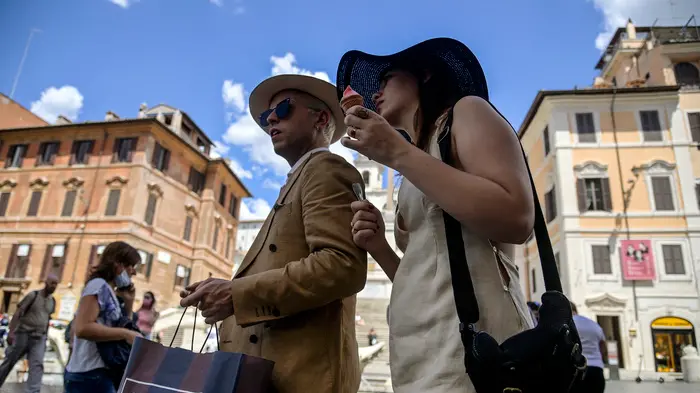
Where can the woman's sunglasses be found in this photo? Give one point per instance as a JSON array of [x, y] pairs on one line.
[[282, 111]]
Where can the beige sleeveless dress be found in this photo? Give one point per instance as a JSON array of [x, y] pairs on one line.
[[426, 352]]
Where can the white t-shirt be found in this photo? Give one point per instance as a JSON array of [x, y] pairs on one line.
[[591, 335]]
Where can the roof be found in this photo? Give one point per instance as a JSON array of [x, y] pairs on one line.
[[4, 100], [185, 115], [539, 98], [663, 34], [151, 121]]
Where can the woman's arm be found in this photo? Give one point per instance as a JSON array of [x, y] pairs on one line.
[[87, 328], [492, 196], [388, 260]]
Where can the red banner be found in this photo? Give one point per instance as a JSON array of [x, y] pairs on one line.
[[637, 260]]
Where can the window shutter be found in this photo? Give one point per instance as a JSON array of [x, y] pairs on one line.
[[4, 202], [55, 148], [156, 155], [694, 122], [113, 202], [73, 152], [91, 147], [663, 197], [190, 179], [47, 263], [188, 228], [149, 265], [34, 204], [644, 117], [166, 160], [68, 203], [12, 260], [581, 193], [215, 240], [132, 148], [115, 149], [150, 209], [607, 198], [63, 262], [23, 272]]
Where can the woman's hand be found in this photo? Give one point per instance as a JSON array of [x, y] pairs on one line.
[[373, 136], [368, 227], [130, 335]]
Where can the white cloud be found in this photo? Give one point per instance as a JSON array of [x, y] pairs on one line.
[[238, 10], [238, 169], [233, 95], [259, 170], [121, 3], [286, 65], [272, 184], [254, 209], [219, 149], [66, 101], [642, 13], [218, 3]]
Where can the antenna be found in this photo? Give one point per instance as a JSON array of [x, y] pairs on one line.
[[21, 63]]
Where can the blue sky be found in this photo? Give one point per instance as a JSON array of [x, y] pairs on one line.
[[204, 56]]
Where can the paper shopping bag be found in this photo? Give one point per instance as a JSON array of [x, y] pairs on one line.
[[154, 368]]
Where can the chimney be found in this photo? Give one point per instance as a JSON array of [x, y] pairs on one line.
[[62, 120], [142, 110], [176, 122], [631, 30], [111, 116]]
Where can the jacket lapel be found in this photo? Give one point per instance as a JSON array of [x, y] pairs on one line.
[[265, 229]]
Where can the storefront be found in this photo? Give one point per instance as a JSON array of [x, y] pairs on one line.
[[670, 335]]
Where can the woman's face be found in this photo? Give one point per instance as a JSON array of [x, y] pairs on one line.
[[130, 269], [398, 94]]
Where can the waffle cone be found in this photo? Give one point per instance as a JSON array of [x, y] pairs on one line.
[[350, 101]]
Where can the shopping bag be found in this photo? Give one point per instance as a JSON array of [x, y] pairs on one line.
[[155, 368]]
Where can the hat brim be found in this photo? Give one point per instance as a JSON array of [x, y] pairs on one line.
[[363, 71], [261, 96]]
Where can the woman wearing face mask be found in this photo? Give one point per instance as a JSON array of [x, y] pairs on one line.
[[488, 191], [98, 312], [147, 314]]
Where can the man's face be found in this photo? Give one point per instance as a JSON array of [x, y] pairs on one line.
[[294, 132], [51, 284]]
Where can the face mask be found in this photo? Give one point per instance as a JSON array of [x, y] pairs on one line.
[[123, 280], [147, 302]]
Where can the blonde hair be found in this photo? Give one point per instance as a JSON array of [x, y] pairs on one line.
[[317, 105]]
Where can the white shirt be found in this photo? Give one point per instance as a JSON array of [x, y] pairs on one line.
[[591, 335]]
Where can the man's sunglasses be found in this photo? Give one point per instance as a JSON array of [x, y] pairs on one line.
[[282, 110]]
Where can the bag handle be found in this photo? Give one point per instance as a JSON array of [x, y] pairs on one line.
[[462, 285], [213, 326]]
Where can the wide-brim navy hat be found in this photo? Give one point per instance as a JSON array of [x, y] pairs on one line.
[[363, 71]]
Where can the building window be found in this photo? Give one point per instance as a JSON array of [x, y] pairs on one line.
[[54, 261], [601, 259], [550, 202], [19, 260], [694, 123], [68, 203], [365, 177], [182, 276], [47, 153], [124, 149], [686, 74], [34, 203], [196, 181], [233, 206], [80, 152], [4, 203], [545, 137], [594, 194], [533, 279], [651, 126], [228, 245], [161, 158], [150, 209], [188, 229], [673, 259], [113, 202], [144, 268], [95, 254], [215, 238], [585, 128], [663, 193], [15, 156], [222, 195], [557, 263]]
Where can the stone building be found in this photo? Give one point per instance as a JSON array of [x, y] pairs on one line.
[[67, 190]]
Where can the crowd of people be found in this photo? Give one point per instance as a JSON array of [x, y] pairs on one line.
[[292, 300]]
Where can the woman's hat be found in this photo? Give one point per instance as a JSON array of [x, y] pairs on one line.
[[260, 97], [364, 71]]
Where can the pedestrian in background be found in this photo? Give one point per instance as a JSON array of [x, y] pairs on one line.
[[595, 351]]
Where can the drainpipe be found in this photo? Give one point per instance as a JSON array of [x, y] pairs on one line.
[[86, 212]]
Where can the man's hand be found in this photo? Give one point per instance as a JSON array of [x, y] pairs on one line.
[[212, 296]]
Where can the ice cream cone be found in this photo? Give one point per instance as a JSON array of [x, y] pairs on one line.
[[350, 99]]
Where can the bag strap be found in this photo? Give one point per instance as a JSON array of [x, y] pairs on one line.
[[462, 285], [213, 326], [31, 302]]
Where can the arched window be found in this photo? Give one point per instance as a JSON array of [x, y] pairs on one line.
[[365, 177], [686, 74]]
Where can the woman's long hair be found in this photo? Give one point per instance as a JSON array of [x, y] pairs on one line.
[[115, 253]]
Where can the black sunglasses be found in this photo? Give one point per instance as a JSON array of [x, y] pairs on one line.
[[282, 110]]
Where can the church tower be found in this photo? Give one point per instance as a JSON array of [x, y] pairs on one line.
[[373, 176]]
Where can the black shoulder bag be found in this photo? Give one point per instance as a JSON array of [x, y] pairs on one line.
[[115, 354], [546, 359]]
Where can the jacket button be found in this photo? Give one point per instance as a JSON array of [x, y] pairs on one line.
[[273, 248], [253, 339]]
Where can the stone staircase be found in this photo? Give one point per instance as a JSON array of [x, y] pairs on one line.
[[376, 375]]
